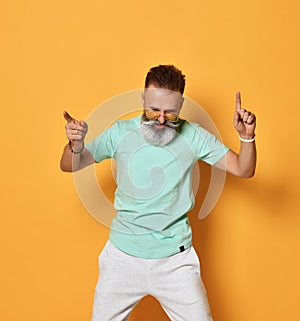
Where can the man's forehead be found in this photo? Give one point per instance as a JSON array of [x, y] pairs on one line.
[[161, 92], [160, 98]]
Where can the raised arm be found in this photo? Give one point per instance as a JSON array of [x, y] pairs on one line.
[[244, 163], [75, 156]]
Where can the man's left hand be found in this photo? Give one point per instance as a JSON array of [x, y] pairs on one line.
[[244, 121]]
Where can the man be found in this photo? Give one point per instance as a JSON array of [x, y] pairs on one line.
[[150, 246]]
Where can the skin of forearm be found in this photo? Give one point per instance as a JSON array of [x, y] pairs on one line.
[[247, 160], [70, 162]]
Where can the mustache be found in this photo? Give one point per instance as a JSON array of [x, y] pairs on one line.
[[167, 123]]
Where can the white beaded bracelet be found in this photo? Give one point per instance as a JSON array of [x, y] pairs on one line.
[[247, 140]]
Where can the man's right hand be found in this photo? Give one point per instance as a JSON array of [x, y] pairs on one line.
[[75, 130], [80, 157]]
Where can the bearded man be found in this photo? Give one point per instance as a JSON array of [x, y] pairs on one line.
[[150, 251]]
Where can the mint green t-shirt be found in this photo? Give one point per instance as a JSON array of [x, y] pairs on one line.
[[154, 185]]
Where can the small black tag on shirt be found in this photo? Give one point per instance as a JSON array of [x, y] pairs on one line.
[[181, 248]]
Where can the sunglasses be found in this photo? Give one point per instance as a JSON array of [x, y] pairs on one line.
[[154, 114]]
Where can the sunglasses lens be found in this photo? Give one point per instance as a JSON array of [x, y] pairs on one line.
[[152, 114], [155, 114], [171, 117]]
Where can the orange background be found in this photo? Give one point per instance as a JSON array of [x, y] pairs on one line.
[[58, 55]]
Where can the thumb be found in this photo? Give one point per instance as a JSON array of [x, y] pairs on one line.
[[83, 124]]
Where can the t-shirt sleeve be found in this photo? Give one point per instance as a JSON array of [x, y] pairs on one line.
[[209, 148], [103, 146]]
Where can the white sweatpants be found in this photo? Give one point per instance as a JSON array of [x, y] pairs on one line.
[[175, 281]]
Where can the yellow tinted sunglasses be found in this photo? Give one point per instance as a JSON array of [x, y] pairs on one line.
[[154, 114]]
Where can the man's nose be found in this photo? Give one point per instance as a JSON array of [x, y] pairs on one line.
[[162, 117]]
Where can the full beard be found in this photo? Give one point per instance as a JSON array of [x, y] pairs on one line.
[[159, 136]]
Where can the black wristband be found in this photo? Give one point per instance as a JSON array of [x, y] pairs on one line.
[[73, 151]]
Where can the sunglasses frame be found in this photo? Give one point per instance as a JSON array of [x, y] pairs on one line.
[[157, 114]]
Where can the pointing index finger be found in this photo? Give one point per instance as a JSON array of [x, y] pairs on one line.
[[68, 117], [238, 100]]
